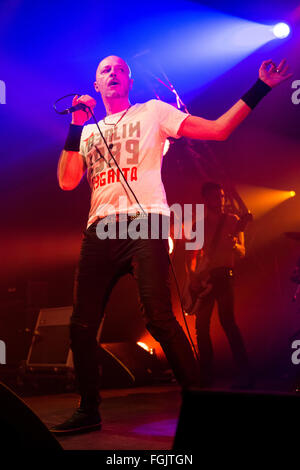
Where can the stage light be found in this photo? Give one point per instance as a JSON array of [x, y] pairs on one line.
[[260, 200], [171, 245], [281, 30], [144, 346]]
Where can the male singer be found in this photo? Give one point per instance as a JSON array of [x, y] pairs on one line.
[[137, 134]]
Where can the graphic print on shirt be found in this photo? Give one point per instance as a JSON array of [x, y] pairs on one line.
[[137, 145], [125, 139]]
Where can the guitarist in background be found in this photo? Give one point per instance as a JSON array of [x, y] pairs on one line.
[[210, 274]]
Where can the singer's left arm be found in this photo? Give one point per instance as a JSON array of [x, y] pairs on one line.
[[195, 127]]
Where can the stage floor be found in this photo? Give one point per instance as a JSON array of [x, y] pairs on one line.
[[141, 418]]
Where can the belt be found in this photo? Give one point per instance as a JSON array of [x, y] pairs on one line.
[[122, 217]]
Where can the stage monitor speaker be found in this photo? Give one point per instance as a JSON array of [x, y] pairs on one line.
[[122, 364], [227, 423], [126, 364], [20, 428], [50, 346]]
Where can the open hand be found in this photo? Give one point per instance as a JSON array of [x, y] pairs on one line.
[[273, 74]]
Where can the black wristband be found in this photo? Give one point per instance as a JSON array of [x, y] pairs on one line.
[[73, 140], [256, 93]]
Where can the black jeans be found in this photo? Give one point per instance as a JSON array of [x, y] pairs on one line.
[[222, 293], [101, 264]]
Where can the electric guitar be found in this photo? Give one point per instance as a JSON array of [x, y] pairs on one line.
[[198, 281]]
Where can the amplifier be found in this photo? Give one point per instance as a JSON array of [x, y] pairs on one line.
[[122, 364], [50, 347]]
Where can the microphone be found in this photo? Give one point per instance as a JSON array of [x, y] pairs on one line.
[[77, 107]]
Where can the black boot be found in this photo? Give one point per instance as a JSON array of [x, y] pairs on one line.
[[85, 419]]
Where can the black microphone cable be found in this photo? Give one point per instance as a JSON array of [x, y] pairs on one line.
[[71, 109], [137, 201]]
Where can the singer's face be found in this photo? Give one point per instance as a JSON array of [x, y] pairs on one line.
[[113, 78]]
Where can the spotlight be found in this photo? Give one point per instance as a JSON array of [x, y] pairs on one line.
[[171, 245], [281, 30], [144, 346], [261, 200]]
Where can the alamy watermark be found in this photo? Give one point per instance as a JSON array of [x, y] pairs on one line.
[[188, 223], [296, 94], [296, 354], [2, 92], [2, 352]]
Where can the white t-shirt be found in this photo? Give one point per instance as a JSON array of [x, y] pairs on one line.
[[138, 142]]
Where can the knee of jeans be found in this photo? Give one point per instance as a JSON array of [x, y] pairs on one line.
[[163, 330], [81, 333], [156, 307]]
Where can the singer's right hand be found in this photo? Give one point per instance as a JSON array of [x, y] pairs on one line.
[[80, 117]]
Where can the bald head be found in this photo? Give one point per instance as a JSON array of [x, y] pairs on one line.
[[113, 59], [113, 78]]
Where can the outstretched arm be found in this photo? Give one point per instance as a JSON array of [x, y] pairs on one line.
[[195, 127]]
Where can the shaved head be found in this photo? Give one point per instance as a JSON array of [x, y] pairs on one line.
[[114, 82], [112, 59]]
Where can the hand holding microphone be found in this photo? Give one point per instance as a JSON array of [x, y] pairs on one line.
[[81, 114]]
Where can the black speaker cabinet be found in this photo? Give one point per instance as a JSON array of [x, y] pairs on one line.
[[20, 428], [227, 423]]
